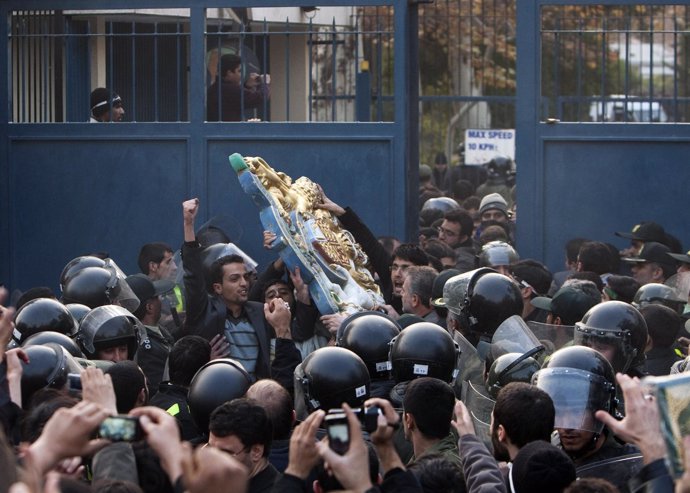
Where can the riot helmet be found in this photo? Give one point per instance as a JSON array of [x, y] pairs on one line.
[[580, 381], [654, 293], [330, 376], [108, 326], [219, 250], [40, 315], [497, 253], [368, 334], [499, 167], [45, 337], [617, 326], [443, 204], [482, 299], [513, 336], [78, 311], [218, 381], [77, 264], [510, 367], [424, 349], [48, 367], [98, 286]]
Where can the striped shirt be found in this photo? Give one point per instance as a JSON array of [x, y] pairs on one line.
[[244, 345]]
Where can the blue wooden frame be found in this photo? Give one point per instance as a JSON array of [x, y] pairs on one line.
[[398, 171], [624, 187]]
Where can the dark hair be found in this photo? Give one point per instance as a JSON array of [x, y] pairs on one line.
[[435, 263], [152, 252], [152, 476], [228, 62], [533, 273], [663, 324], [625, 287], [588, 276], [388, 242], [437, 474], [186, 356], [44, 404], [428, 216], [462, 189], [245, 419], [216, 269], [440, 158], [471, 203], [411, 253], [8, 463], [439, 249], [572, 248], [272, 282], [116, 486], [71, 485], [614, 258], [591, 485], [422, 282], [493, 231], [462, 218], [526, 412], [595, 257], [277, 403], [33, 294], [128, 380], [329, 482], [431, 402]]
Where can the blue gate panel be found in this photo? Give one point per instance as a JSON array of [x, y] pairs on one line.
[[592, 189], [350, 173], [70, 198]]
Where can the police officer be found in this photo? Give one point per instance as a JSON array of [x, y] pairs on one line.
[[498, 171], [619, 332], [110, 333], [580, 381], [368, 335]]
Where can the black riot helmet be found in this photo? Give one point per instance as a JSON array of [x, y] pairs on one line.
[[218, 381], [77, 264], [78, 310], [580, 381], [496, 253], [368, 335], [98, 286], [424, 349], [443, 204], [510, 367], [45, 337], [499, 167], [482, 299], [40, 315], [617, 324], [108, 326], [330, 376], [48, 367], [660, 294]]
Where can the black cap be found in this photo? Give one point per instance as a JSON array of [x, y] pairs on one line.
[[145, 288], [439, 282], [681, 257], [652, 252], [645, 231]]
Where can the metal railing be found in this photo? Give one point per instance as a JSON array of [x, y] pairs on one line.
[[315, 67], [621, 64]]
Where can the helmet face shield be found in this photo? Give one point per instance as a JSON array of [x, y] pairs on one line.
[[553, 337], [514, 336], [118, 291], [576, 395], [613, 344]]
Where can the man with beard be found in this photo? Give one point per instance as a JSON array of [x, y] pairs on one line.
[[522, 414]]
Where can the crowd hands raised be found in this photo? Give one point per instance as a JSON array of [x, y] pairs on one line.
[[476, 378]]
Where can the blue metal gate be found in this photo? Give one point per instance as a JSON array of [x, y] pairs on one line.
[[69, 188], [602, 142]]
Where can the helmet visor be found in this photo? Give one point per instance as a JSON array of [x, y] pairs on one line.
[[611, 343], [513, 336], [576, 395], [96, 318], [553, 337], [119, 292]]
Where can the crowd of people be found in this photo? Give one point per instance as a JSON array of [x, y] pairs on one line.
[[481, 372]]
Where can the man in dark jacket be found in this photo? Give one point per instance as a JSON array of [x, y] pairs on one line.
[[248, 326]]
